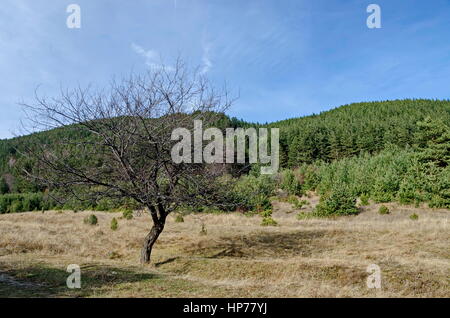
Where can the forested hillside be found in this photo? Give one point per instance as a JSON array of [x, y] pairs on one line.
[[11, 178], [391, 150], [349, 130]]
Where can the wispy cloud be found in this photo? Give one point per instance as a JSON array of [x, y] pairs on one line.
[[206, 59], [152, 58]]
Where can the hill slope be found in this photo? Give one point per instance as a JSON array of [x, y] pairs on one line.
[[342, 132]]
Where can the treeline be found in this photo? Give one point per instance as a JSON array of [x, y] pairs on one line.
[[44, 201], [23, 202]]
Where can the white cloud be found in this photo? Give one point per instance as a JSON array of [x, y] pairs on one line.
[[152, 58]]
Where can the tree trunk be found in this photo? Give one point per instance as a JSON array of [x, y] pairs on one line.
[[150, 239]]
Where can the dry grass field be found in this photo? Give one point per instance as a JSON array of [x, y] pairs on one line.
[[236, 257]]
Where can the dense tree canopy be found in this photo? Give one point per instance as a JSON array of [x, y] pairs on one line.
[[349, 130]]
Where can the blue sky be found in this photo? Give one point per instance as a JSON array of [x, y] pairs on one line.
[[286, 58]]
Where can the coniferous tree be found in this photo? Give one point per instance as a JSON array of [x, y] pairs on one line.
[[434, 142]]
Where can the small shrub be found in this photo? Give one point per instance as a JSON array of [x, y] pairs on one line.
[[127, 214], [203, 231], [264, 205], [383, 210], [267, 218], [114, 224], [290, 183], [364, 199], [339, 201], [269, 221], [414, 217], [91, 220], [252, 193], [266, 213], [179, 218], [300, 204]]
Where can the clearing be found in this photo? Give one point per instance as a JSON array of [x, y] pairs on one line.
[[237, 257]]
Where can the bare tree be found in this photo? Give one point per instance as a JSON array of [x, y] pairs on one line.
[[124, 134]]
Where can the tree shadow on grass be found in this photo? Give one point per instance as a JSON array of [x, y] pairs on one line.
[[44, 281], [167, 261], [263, 244]]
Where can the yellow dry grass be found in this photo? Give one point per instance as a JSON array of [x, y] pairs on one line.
[[237, 257]]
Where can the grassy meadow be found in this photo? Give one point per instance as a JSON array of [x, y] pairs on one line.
[[229, 254]]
